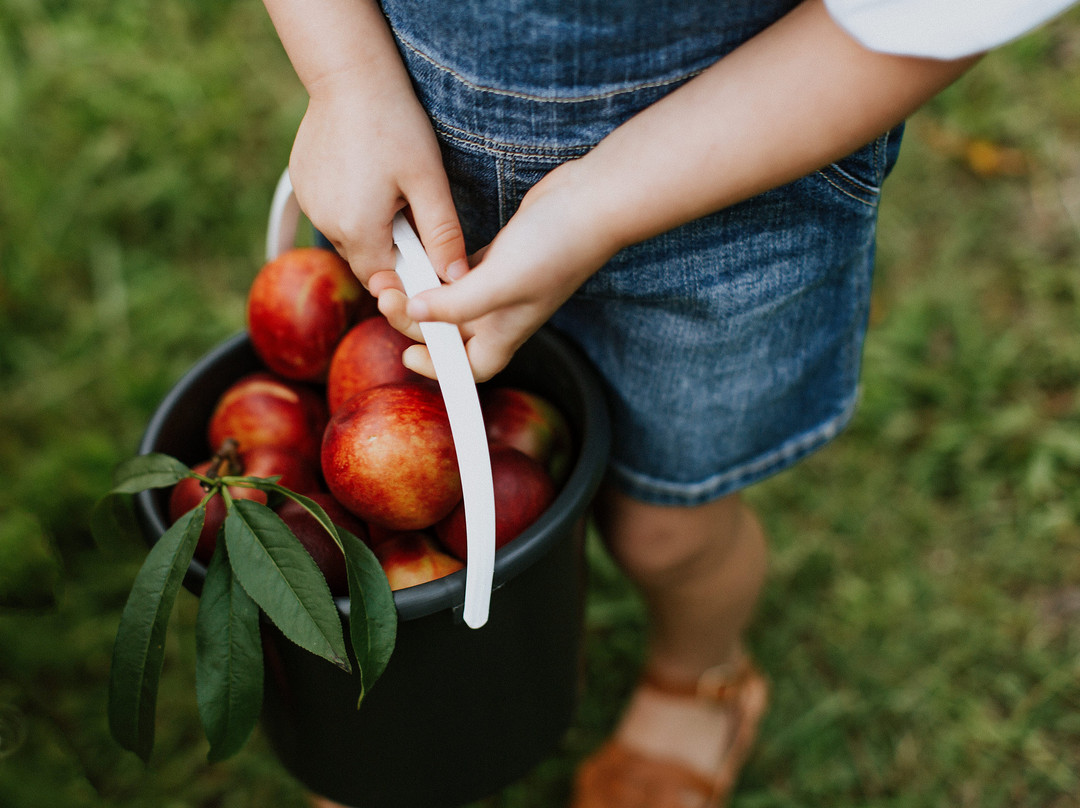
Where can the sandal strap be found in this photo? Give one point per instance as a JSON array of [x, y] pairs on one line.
[[617, 775], [620, 777], [718, 684]]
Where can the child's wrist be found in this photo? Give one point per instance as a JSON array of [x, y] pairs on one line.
[[591, 215], [335, 82]]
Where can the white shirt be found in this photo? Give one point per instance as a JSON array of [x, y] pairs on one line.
[[940, 29]]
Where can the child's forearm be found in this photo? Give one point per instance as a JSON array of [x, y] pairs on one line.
[[797, 97], [330, 39], [365, 148]]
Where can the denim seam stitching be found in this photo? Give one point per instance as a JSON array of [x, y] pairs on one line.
[[487, 145], [500, 190], [873, 203], [558, 99]]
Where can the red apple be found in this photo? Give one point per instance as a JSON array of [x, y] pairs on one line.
[[377, 534], [367, 356], [296, 473], [263, 409], [299, 306], [388, 456], [317, 541], [531, 424], [523, 490], [412, 558]]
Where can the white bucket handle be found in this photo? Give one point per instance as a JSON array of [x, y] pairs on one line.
[[458, 390]]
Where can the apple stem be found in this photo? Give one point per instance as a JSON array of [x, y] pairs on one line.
[[226, 462]]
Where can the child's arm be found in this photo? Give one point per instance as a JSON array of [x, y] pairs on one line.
[[365, 148], [796, 97]]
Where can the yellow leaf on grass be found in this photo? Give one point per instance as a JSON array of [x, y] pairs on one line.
[[988, 159]]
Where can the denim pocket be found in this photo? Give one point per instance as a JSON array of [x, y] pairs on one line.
[[859, 176]]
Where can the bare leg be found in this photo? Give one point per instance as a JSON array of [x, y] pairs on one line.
[[700, 570]]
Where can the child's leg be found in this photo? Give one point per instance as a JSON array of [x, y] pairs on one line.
[[700, 570]]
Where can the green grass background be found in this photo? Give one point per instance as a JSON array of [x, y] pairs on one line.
[[920, 618]]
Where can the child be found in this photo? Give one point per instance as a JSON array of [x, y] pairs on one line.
[[689, 191]]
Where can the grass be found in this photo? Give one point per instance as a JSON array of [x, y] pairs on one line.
[[919, 622]]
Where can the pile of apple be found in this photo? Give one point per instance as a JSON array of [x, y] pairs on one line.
[[341, 420]]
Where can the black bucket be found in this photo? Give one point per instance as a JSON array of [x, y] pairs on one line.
[[459, 713]]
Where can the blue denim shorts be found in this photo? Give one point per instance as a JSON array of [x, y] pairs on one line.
[[730, 346]]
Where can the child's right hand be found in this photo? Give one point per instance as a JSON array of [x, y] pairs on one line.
[[364, 150]]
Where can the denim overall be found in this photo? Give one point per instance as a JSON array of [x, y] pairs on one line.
[[731, 345]]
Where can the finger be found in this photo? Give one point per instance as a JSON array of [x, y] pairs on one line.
[[483, 362], [369, 252], [367, 246], [392, 307], [487, 358], [383, 280], [417, 359], [473, 295], [437, 224]]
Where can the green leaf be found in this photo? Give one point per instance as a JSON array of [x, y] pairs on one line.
[[228, 660], [152, 470], [271, 485], [140, 638], [372, 613], [280, 576]]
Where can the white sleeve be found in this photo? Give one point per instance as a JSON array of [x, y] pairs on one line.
[[940, 29]]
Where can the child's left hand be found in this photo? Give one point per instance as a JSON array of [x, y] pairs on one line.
[[551, 246]]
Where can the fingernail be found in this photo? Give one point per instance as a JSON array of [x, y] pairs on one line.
[[458, 269]]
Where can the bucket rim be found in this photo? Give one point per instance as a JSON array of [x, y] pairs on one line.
[[447, 593]]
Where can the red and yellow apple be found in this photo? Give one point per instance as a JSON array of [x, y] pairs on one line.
[[367, 356], [523, 490], [531, 424], [263, 409], [299, 306], [388, 456], [412, 558]]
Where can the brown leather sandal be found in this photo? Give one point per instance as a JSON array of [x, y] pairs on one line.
[[618, 776]]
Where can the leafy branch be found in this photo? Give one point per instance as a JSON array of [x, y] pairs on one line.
[[258, 567]]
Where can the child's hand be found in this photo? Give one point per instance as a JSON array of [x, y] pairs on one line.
[[722, 137], [545, 252], [364, 151]]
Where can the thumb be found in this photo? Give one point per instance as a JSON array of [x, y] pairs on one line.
[[480, 292]]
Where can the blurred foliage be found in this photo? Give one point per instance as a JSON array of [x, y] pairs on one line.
[[920, 621], [30, 568]]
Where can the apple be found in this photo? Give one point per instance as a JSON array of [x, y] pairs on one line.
[[367, 356], [297, 474], [388, 456], [264, 409], [412, 558], [377, 534], [320, 546], [523, 491], [299, 306], [531, 424]]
